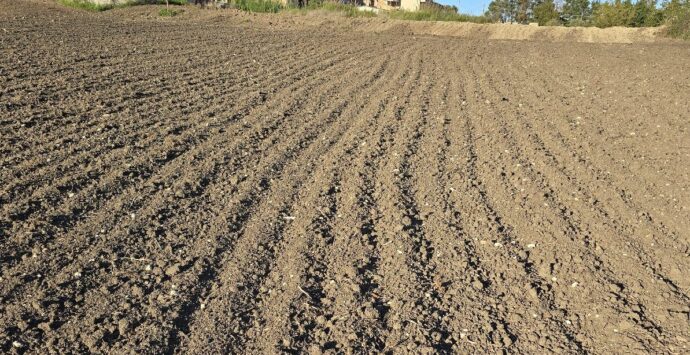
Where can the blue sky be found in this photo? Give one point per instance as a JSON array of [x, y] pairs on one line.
[[474, 7]]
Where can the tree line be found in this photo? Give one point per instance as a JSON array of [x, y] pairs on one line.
[[642, 13]]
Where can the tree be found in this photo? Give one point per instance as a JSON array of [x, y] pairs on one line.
[[500, 11], [617, 13], [677, 18], [523, 11], [576, 9], [545, 12], [646, 14]]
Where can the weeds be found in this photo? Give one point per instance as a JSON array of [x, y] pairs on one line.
[[678, 19], [436, 15], [346, 9], [165, 12], [269, 6], [87, 5], [90, 6]]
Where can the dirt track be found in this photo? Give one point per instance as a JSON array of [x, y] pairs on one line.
[[189, 186]]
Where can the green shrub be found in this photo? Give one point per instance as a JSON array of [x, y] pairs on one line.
[[545, 13], [553, 22], [578, 22], [258, 5], [347, 10], [165, 12], [677, 15]]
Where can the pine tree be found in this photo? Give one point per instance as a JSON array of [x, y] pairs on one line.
[[545, 13], [576, 9]]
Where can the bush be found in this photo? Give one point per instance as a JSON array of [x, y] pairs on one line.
[[165, 12], [545, 13], [258, 5], [578, 22], [677, 15], [553, 22], [348, 10], [624, 13]]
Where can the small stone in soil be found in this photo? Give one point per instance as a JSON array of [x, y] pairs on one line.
[[406, 221], [173, 270]]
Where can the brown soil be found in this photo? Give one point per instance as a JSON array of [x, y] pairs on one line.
[[224, 182]]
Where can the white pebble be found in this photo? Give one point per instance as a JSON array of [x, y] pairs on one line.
[[531, 245], [574, 284]]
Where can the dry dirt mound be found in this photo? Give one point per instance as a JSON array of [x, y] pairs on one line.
[[188, 186], [522, 32]]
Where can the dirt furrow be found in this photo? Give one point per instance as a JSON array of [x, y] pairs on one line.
[[663, 240], [158, 211], [612, 212], [403, 288], [141, 167], [208, 121], [501, 264], [644, 308], [268, 248], [459, 278], [305, 182], [193, 79], [308, 325], [585, 258], [351, 278]]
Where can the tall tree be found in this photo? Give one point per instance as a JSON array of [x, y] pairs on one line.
[[501, 10], [576, 9], [523, 11], [545, 12]]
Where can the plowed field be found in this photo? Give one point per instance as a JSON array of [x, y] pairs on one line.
[[227, 186]]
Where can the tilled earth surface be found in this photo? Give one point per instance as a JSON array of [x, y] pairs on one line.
[[188, 186]]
